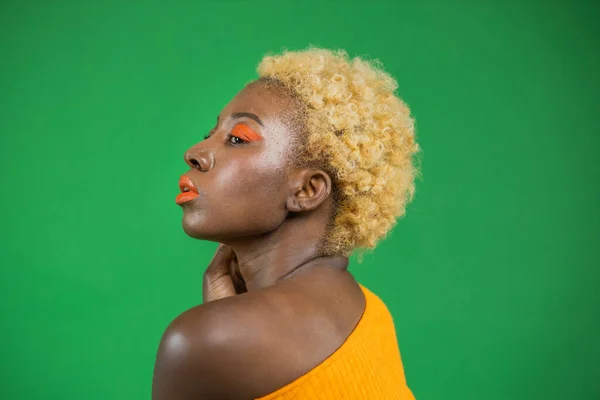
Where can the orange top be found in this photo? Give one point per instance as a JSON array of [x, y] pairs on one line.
[[366, 366]]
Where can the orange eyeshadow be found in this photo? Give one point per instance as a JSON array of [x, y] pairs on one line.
[[244, 132]]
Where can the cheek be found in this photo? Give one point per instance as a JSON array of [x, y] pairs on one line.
[[251, 190], [252, 193], [260, 177], [236, 197], [242, 197]]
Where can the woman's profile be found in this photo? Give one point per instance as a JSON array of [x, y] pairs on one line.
[[310, 162]]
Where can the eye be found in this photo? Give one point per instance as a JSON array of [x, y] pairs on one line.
[[243, 134], [206, 137], [235, 140]]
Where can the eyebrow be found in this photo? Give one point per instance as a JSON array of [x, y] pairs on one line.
[[244, 115]]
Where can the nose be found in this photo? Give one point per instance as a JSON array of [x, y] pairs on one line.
[[198, 158]]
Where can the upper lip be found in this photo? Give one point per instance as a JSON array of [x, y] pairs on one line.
[[186, 184]]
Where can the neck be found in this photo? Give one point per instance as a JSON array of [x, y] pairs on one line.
[[292, 248]]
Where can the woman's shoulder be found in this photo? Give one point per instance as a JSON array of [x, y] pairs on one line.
[[213, 350], [261, 340]]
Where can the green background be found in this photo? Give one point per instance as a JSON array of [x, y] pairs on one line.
[[492, 276]]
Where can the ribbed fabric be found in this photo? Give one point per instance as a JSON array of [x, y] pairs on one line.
[[366, 366]]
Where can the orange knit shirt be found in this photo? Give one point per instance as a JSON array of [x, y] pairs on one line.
[[366, 366]]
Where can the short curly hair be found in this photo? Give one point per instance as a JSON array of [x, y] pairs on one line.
[[361, 131]]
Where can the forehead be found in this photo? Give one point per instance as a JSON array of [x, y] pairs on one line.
[[270, 104]]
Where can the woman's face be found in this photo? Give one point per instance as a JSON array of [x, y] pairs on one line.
[[241, 170]]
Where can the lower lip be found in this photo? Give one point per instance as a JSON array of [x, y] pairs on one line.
[[185, 197]]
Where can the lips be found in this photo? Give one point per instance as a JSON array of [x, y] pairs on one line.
[[188, 190]]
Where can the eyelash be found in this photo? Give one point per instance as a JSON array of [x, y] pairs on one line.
[[241, 141], [229, 137]]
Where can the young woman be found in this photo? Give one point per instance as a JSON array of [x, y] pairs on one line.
[[313, 160]]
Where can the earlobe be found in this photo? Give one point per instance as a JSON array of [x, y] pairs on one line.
[[311, 188], [292, 205]]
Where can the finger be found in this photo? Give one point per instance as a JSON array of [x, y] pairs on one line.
[[234, 271], [237, 278], [221, 260], [219, 248]]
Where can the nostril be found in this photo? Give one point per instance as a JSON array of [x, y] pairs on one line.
[[199, 159], [194, 163], [191, 160]]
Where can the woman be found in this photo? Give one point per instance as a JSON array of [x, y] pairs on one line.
[[306, 164]]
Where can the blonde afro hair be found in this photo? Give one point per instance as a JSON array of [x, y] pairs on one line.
[[363, 133]]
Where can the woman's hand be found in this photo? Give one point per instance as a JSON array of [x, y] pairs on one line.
[[222, 278]]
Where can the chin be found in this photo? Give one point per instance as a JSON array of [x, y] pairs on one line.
[[194, 225], [219, 227]]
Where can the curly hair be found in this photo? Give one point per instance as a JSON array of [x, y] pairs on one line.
[[363, 133]]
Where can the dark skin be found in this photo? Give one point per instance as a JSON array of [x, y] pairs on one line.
[[274, 307]]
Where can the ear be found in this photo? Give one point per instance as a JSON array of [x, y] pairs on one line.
[[310, 188]]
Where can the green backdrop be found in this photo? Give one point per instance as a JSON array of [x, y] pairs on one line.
[[492, 276]]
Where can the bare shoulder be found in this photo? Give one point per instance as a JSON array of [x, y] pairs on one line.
[[251, 344], [204, 351]]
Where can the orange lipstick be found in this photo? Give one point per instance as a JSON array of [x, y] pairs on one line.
[[188, 190]]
